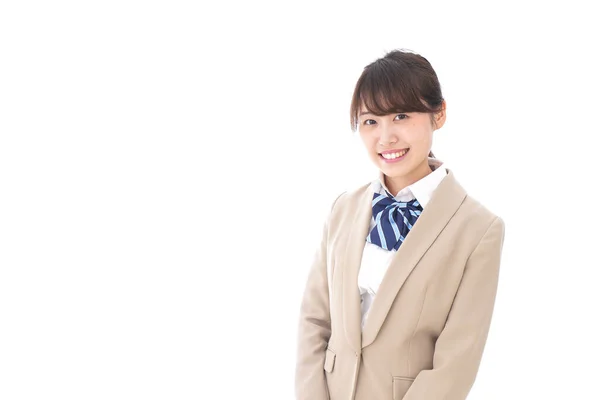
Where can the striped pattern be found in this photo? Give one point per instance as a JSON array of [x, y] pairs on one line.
[[393, 220]]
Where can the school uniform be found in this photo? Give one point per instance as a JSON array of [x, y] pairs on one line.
[[414, 328], [375, 259]]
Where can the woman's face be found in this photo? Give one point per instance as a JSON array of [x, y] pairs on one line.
[[394, 133]]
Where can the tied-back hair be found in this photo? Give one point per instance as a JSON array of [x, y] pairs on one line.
[[399, 82]]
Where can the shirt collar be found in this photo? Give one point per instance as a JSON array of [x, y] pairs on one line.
[[421, 189]]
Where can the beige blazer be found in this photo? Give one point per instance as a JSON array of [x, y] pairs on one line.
[[427, 327]]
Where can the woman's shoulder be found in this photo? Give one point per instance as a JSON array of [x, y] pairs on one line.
[[352, 196], [478, 207], [478, 215], [471, 208]]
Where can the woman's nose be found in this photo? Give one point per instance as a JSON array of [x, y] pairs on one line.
[[388, 135]]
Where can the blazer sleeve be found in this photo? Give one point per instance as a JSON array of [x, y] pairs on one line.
[[315, 326], [459, 347]]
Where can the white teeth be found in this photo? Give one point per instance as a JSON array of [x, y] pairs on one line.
[[391, 156]]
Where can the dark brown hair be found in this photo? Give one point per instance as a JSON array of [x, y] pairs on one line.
[[400, 81]]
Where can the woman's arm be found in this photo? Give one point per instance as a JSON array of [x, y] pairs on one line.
[[314, 327], [459, 348]]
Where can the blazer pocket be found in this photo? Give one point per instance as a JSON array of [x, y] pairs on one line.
[[401, 384], [329, 360]]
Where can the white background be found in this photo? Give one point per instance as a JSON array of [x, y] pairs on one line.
[[165, 168]]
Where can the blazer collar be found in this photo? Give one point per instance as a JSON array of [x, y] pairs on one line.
[[420, 190], [444, 202]]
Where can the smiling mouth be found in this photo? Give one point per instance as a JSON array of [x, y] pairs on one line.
[[395, 155]]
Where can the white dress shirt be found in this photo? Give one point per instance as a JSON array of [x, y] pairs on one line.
[[375, 260]]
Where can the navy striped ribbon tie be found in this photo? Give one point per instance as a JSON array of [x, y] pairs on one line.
[[393, 220]]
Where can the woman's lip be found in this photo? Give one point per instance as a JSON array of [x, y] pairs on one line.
[[393, 151], [395, 159]]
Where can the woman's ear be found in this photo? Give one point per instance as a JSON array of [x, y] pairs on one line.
[[440, 116]]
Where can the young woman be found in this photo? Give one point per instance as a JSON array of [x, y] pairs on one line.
[[399, 297]]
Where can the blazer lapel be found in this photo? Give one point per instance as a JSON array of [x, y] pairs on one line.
[[444, 202], [355, 244]]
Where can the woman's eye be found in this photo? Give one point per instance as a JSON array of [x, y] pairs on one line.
[[372, 122]]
